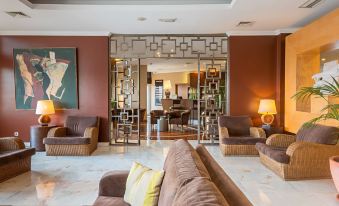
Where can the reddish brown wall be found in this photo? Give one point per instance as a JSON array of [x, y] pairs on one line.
[[92, 63], [255, 73]]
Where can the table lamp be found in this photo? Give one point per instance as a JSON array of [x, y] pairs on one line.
[[44, 108], [167, 87], [267, 109]]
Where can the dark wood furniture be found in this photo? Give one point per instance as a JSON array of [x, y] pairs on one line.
[[38, 133], [273, 130]]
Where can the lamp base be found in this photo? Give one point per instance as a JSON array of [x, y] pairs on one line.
[[167, 94], [267, 119], [44, 120]]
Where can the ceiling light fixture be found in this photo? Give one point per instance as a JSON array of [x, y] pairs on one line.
[[141, 18], [168, 20]]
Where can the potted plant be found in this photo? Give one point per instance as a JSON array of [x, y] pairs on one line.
[[330, 111]]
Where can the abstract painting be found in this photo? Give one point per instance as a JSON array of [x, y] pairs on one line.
[[45, 73]]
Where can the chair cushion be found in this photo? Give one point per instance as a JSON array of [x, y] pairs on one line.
[[318, 134], [242, 140], [199, 191], [10, 156], [67, 140], [224, 183], [110, 201], [236, 125], [276, 153], [76, 125], [181, 165], [143, 185]]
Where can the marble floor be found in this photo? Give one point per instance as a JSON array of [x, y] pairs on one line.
[[73, 181]]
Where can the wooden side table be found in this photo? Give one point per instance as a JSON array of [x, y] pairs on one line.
[[273, 130], [38, 133]]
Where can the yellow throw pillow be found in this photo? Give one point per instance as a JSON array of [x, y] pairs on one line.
[[143, 186]]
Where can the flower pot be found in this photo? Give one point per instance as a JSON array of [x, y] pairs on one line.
[[334, 166]]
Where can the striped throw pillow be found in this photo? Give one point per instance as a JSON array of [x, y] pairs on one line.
[[143, 186]]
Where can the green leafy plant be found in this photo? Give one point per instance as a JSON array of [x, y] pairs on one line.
[[330, 111]]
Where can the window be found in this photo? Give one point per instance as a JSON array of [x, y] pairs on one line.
[[158, 92]]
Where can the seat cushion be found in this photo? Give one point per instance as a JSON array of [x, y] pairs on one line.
[[224, 183], [199, 191], [276, 153], [236, 125], [318, 134], [242, 140], [110, 201], [67, 140], [10, 156], [181, 165]]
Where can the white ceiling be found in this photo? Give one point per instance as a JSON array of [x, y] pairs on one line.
[[162, 65], [270, 16]]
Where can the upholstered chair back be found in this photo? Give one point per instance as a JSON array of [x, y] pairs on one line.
[[236, 125], [76, 125], [318, 134]]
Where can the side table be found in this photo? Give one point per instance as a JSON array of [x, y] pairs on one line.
[[38, 133], [162, 124], [273, 130]]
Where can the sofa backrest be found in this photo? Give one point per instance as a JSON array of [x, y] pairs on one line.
[[181, 165], [236, 125], [76, 125], [226, 186], [318, 134]]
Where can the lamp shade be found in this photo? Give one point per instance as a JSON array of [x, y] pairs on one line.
[[167, 84], [45, 107], [267, 106]]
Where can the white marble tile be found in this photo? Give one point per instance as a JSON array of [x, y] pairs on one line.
[[72, 181]]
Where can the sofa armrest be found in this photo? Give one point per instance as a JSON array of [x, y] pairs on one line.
[[11, 143], [280, 140], [57, 132], [113, 184], [307, 152], [223, 132], [257, 132], [91, 132]]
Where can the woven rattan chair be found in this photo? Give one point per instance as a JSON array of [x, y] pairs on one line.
[[237, 136], [14, 158], [78, 137], [304, 156]]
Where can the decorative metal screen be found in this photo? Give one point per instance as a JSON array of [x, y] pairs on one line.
[[125, 101], [170, 46]]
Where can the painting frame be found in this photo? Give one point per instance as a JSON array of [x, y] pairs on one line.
[[59, 104]]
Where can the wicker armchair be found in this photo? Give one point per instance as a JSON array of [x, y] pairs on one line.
[[237, 136], [304, 156], [14, 158], [78, 137]]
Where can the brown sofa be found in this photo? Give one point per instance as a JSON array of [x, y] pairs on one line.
[[237, 136], [304, 156], [78, 137], [14, 158], [192, 177]]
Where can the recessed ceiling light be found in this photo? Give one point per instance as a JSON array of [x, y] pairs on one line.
[[168, 20], [141, 18]]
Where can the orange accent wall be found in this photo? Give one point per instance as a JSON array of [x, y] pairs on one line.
[[321, 32]]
